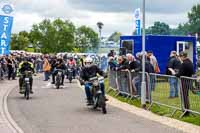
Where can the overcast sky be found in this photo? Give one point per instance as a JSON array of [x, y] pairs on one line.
[[117, 15]]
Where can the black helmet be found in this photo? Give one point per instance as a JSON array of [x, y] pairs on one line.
[[60, 60]]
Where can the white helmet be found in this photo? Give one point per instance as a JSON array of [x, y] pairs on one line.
[[88, 60]]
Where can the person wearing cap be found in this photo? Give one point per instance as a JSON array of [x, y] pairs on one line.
[[173, 67], [187, 70]]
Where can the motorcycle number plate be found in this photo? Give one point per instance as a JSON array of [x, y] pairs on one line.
[[26, 79], [102, 81], [98, 91]]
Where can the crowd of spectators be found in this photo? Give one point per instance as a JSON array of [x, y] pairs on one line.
[[177, 65]]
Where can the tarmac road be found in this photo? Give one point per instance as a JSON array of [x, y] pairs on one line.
[[64, 111]]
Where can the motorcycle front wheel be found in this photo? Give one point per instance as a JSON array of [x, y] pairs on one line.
[[27, 91], [57, 82], [102, 103]]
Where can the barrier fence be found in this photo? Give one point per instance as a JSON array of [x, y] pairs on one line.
[[181, 94], [112, 76], [123, 82], [165, 91], [190, 88]]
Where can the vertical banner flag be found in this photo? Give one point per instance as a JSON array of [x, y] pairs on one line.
[[137, 21], [6, 21]]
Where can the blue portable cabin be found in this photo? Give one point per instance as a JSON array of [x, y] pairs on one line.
[[161, 46]]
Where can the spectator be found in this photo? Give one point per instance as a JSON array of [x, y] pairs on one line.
[[186, 69], [122, 63], [153, 61], [10, 67], [112, 53], [14, 66], [38, 64], [133, 64], [148, 66], [46, 69], [1, 68], [112, 63], [173, 67]]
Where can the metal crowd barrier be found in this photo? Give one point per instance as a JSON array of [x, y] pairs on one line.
[[136, 80], [165, 91], [124, 82], [181, 94], [112, 76], [190, 94]]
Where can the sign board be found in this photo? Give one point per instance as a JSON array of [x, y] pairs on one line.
[[6, 21], [137, 21]]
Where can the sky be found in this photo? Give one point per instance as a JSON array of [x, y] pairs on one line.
[[116, 15]]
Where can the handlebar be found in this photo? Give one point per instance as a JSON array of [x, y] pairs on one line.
[[93, 78]]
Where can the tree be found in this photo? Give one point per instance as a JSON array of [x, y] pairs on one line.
[[65, 37], [86, 38], [56, 36], [194, 19], [20, 41], [53, 37], [35, 37], [159, 28], [115, 37], [182, 29]]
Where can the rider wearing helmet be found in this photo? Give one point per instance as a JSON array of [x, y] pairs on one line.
[[25, 65], [72, 64], [59, 65], [88, 71]]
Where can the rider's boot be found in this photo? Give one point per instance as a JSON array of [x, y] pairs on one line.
[[53, 78], [21, 91], [62, 82], [90, 102], [31, 91]]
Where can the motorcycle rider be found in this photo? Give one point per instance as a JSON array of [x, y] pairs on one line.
[[59, 65], [25, 65], [72, 64], [88, 71]]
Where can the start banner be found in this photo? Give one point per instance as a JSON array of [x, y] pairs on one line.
[[5, 34], [6, 22]]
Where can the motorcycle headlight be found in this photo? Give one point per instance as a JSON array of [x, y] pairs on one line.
[[60, 73], [26, 79], [95, 83]]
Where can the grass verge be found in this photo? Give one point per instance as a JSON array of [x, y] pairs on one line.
[[159, 110]]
